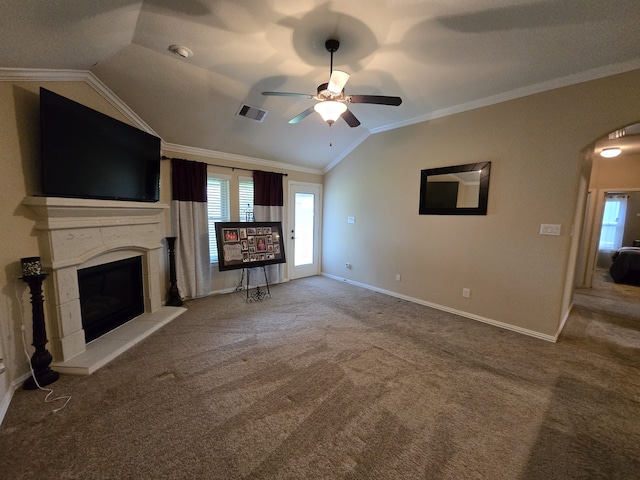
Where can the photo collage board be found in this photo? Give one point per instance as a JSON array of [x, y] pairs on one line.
[[249, 244]]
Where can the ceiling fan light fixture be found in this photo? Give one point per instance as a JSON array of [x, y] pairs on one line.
[[610, 152], [330, 111], [337, 81]]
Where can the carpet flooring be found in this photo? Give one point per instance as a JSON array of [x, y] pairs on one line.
[[326, 380]]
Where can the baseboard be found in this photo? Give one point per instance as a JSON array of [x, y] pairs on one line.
[[472, 316], [565, 317], [4, 404], [6, 400], [224, 291]]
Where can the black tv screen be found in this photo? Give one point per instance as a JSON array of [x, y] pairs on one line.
[[86, 154]]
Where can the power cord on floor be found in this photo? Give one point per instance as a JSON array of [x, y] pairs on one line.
[[47, 399]]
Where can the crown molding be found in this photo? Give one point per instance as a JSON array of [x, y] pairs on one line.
[[347, 151], [231, 157], [566, 81], [41, 75], [45, 75]]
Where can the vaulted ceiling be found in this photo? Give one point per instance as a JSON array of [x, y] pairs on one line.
[[440, 56]]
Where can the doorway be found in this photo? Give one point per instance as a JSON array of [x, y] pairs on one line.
[[603, 232], [305, 218]]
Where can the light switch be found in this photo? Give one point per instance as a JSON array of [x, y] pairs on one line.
[[351, 219], [549, 229]]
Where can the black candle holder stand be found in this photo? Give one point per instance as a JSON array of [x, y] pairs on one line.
[[173, 294], [41, 358]]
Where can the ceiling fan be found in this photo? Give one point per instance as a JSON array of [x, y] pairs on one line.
[[331, 98]]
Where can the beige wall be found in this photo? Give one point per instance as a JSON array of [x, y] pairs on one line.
[[19, 138], [516, 276], [20, 141]]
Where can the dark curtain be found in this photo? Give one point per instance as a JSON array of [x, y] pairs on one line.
[[267, 189], [189, 224], [268, 206], [188, 180]]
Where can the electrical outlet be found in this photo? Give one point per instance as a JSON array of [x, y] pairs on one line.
[[398, 277], [466, 292], [347, 265]]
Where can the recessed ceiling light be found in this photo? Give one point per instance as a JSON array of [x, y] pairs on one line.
[[610, 152], [181, 51]]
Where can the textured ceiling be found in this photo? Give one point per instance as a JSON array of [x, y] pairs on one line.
[[439, 56]]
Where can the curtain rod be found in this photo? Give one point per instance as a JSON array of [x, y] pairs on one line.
[[222, 166]]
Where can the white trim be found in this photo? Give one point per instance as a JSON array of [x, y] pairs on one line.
[[237, 158], [565, 81], [347, 151], [43, 75], [228, 290], [25, 75], [6, 400], [306, 187], [568, 80], [495, 323], [40, 75], [565, 317]]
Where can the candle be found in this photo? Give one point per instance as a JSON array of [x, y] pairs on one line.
[[31, 266]]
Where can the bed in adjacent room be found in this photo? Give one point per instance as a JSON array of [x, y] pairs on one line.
[[626, 266]]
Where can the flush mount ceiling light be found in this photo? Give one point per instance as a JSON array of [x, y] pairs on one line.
[[330, 111], [610, 152], [181, 51]]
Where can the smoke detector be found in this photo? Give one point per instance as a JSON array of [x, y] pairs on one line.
[[180, 51]]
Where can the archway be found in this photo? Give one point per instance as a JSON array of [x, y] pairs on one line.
[[613, 177]]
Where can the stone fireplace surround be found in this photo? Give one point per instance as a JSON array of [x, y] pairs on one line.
[[80, 233]]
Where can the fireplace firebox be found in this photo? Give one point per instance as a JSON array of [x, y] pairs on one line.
[[111, 294]]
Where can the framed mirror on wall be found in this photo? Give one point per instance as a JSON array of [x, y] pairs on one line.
[[455, 190]]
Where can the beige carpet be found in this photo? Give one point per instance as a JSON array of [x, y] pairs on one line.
[[330, 381]]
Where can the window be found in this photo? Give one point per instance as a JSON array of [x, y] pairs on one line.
[[217, 208], [615, 210], [246, 197]]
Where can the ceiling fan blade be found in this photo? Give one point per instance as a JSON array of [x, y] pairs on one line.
[[375, 99], [301, 116], [350, 118], [287, 94], [337, 81]]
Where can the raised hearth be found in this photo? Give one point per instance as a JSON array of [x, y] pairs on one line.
[[75, 234]]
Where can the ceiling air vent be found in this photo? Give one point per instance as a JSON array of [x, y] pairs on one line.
[[252, 113]]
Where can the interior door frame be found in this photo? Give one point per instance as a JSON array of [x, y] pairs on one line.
[[317, 260], [599, 201]]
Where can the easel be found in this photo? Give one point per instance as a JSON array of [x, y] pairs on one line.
[[258, 294]]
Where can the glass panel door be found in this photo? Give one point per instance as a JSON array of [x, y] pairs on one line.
[[304, 234]]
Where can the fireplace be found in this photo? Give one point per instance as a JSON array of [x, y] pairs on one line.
[[110, 295], [76, 236]]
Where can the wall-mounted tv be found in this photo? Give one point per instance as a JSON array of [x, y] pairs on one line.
[[86, 154]]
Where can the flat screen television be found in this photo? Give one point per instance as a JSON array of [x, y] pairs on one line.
[[87, 154]]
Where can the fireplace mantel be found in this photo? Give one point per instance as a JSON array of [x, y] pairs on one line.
[[55, 213], [76, 233]]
